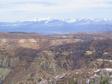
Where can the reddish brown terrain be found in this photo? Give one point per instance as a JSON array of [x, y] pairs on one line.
[[30, 58]]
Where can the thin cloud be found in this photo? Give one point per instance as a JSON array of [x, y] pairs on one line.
[[54, 8], [43, 3]]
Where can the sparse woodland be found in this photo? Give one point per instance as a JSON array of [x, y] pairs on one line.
[[76, 59]]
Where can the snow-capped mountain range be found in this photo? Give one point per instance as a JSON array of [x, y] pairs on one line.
[[57, 26]]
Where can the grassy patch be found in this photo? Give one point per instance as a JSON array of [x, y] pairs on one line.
[[4, 72]]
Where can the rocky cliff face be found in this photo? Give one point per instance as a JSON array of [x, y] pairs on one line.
[[63, 59]]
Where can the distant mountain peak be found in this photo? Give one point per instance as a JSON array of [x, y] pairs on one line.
[[55, 25]]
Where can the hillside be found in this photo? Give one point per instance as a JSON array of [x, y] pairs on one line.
[[77, 58]]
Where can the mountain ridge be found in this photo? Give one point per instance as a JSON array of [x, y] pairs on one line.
[[57, 26]]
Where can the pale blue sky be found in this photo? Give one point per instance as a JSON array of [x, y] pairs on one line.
[[20, 10]]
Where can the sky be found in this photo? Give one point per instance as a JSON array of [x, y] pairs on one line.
[[24, 10]]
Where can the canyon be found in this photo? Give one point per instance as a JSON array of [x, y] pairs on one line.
[[77, 58]]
